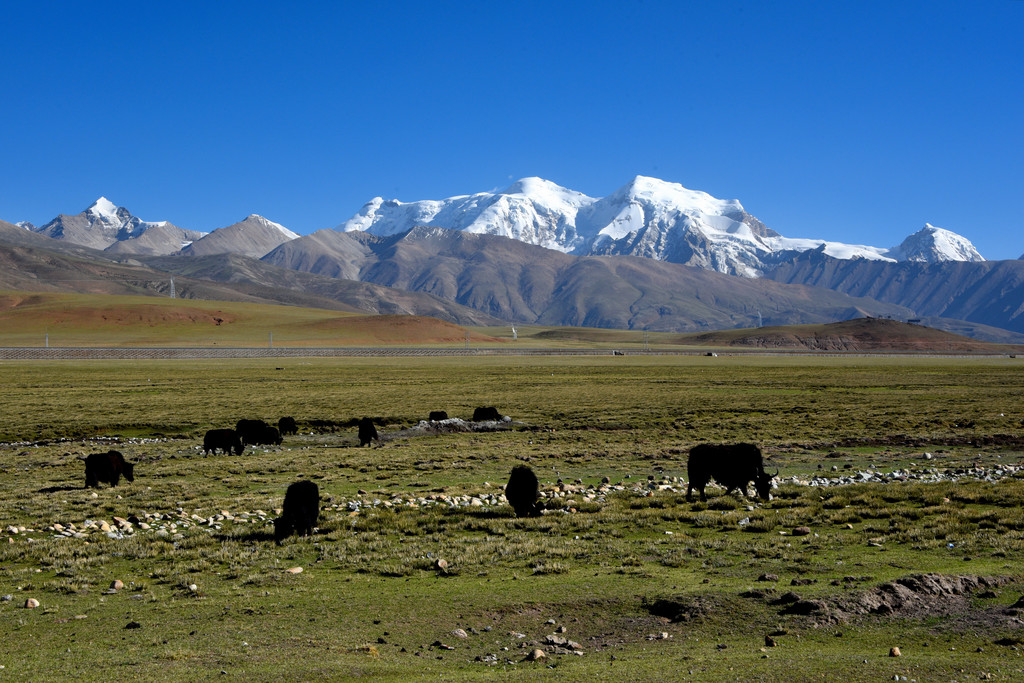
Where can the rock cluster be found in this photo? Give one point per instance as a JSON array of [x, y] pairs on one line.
[[929, 474], [168, 524]]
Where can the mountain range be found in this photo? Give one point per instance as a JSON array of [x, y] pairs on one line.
[[652, 255], [646, 217]]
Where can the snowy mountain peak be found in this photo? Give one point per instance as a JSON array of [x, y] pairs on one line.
[[107, 226], [932, 244], [532, 185], [105, 210], [662, 192], [255, 217]]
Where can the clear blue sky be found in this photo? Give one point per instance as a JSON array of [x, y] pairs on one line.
[[851, 121]]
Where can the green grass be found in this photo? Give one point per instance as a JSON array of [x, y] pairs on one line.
[[370, 602]]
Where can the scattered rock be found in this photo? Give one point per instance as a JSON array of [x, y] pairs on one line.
[[31, 603], [441, 565], [768, 577], [133, 625], [293, 570], [460, 633], [894, 652], [535, 655], [116, 584], [786, 598], [802, 531]]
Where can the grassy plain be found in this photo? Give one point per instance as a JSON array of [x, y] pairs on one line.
[[649, 586]]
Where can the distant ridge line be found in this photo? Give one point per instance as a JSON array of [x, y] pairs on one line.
[[152, 353]]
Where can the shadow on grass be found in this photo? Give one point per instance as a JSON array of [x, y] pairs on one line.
[[485, 513], [247, 537], [61, 489]]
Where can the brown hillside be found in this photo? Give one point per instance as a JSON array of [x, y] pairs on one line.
[[27, 318], [861, 334]]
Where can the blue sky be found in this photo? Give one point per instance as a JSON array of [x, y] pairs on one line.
[[850, 121]]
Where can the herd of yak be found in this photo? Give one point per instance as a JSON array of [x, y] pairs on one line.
[[733, 466]]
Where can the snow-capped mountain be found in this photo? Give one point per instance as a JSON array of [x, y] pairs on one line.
[[933, 245], [104, 225], [532, 210], [647, 217], [253, 236]]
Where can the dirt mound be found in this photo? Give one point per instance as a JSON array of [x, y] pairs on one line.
[[912, 597], [686, 609]]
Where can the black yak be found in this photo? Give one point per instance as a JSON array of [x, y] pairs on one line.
[[108, 468], [733, 466], [486, 414], [438, 415], [300, 511], [523, 492], [286, 425], [367, 432], [266, 435], [224, 439], [249, 430]]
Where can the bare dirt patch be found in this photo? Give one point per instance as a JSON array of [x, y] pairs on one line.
[[919, 596]]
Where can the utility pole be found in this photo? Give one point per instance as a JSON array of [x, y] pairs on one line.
[[172, 289]]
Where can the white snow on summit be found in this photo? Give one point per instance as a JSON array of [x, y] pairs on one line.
[[105, 210], [531, 210], [933, 244], [271, 224]]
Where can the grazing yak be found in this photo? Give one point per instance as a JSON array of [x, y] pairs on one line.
[[438, 415], [523, 492], [300, 511], [367, 432], [733, 466], [267, 435], [256, 432], [248, 429], [486, 414], [224, 439], [107, 467], [286, 425]]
